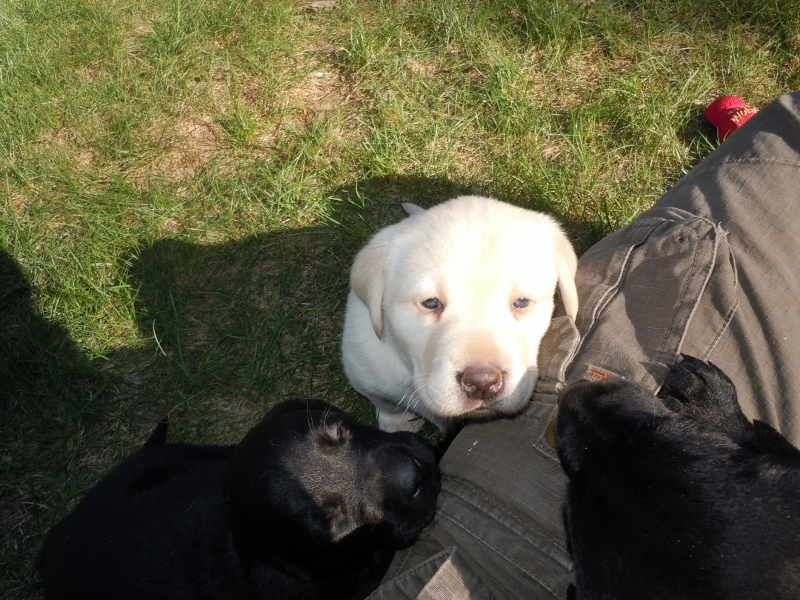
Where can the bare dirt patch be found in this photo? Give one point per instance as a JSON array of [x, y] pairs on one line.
[[71, 144], [320, 91], [189, 145]]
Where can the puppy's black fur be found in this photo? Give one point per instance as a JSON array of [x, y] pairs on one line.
[[311, 504], [677, 496]]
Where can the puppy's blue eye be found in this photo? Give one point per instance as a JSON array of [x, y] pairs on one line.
[[521, 302], [432, 303]]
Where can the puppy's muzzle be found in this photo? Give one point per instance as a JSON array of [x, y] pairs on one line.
[[481, 383]]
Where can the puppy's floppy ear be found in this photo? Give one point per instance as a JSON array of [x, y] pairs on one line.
[[567, 266], [368, 274]]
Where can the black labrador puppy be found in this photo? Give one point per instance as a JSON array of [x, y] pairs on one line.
[[311, 504], [677, 495]]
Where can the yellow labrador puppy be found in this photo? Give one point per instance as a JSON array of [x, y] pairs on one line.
[[447, 309]]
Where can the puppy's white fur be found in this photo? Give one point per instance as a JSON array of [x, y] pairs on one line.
[[477, 256]]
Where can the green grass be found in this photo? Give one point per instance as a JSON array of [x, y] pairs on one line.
[[183, 186]]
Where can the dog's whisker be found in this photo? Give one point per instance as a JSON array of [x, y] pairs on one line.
[[309, 421]]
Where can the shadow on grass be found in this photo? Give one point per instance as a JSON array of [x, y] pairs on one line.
[[49, 394]]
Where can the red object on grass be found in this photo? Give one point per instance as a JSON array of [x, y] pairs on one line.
[[727, 114]]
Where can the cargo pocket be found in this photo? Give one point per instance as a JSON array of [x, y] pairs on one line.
[[661, 286]]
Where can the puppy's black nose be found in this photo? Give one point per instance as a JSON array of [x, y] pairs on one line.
[[481, 382], [408, 476]]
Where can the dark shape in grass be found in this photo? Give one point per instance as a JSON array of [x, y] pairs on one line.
[[40, 366], [48, 391]]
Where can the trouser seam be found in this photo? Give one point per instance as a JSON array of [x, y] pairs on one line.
[[499, 551], [512, 524]]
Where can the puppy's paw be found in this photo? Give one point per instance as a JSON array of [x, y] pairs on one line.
[[695, 383], [700, 390], [399, 421]]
